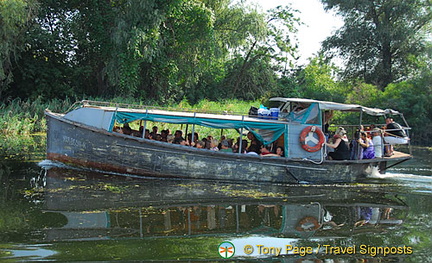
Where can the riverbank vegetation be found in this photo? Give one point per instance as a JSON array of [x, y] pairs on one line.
[[201, 52]]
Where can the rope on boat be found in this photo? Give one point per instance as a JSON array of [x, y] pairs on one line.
[[323, 155]]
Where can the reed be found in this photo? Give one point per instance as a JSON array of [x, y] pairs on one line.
[[27, 116]]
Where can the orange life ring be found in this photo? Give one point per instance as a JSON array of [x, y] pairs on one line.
[[308, 223], [307, 135]]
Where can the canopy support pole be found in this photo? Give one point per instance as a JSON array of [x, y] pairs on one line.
[[286, 138], [193, 131], [241, 137], [113, 119], [145, 125], [359, 136]]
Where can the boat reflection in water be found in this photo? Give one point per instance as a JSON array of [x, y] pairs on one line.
[[98, 207]]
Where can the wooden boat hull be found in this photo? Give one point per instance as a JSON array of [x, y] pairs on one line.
[[80, 145]]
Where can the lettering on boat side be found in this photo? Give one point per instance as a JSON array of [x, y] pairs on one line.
[[73, 141]]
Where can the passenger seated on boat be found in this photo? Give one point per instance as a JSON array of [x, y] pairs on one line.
[[214, 145], [268, 153], [206, 143], [341, 146], [170, 138], [231, 142], [280, 151], [243, 146], [126, 129], [299, 107], [164, 135], [195, 138], [367, 145], [147, 134], [178, 137], [255, 144], [369, 131], [154, 132], [209, 144], [117, 129], [136, 133], [200, 144], [264, 150], [356, 149], [184, 142], [220, 141], [225, 146]]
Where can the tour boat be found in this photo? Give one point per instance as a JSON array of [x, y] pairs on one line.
[[86, 136]]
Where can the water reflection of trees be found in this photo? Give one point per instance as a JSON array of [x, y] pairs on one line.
[[17, 198]]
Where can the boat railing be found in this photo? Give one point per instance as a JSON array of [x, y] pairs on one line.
[[91, 103], [352, 129]]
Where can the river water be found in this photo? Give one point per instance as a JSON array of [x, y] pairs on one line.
[[64, 214]]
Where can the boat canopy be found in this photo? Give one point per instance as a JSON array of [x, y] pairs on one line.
[[328, 105], [265, 131]]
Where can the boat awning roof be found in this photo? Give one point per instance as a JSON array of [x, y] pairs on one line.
[[266, 131], [328, 105]]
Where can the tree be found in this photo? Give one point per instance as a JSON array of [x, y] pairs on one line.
[[268, 46], [68, 46], [154, 50], [379, 38], [15, 16], [413, 99], [316, 81], [186, 54]]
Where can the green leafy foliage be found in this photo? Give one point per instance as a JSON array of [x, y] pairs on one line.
[[27, 116], [14, 18], [169, 52], [379, 38]]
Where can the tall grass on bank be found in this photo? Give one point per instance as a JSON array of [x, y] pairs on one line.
[[23, 117]]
